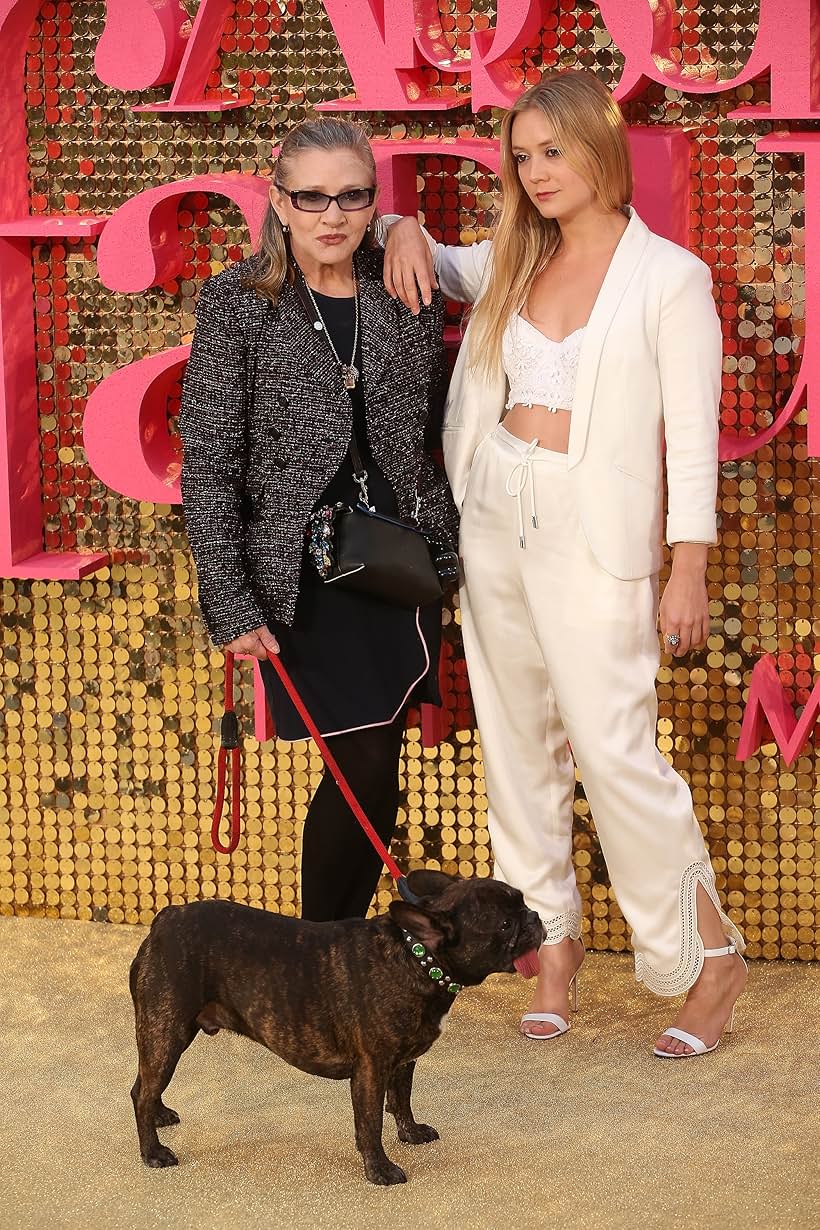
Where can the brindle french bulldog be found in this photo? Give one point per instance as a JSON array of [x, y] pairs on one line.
[[358, 999]]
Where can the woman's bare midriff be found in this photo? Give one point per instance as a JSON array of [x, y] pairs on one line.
[[527, 422]]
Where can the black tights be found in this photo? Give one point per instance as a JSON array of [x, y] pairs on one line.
[[340, 868]]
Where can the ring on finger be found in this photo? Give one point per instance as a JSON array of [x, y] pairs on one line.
[[672, 639]]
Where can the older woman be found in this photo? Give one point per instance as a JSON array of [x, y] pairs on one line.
[[298, 352]]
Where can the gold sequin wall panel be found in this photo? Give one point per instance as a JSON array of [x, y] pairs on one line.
[[110, 685]]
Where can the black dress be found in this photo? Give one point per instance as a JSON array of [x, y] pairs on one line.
[[355, 661]]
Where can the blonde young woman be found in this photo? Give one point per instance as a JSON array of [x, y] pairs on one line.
[[592, 341]]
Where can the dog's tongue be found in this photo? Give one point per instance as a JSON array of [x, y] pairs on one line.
[[527, 965]]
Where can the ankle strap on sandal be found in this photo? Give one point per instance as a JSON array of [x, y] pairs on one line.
[[728, 951]]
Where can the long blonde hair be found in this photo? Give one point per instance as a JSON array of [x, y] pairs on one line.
[[588, 127], [273, 266]]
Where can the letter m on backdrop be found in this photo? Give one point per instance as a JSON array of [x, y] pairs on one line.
[[768, 710]]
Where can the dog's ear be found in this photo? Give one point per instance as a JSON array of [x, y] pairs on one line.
[[429, 883], [429, 928]]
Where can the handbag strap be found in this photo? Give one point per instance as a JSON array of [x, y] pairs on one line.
[[359, 472]]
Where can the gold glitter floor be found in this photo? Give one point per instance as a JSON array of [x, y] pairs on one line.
[[586, 1132]]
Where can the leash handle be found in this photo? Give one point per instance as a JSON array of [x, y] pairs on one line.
[[229, 742]]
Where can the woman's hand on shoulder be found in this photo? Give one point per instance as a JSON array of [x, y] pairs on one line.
[[257, 643], [408, 265], [684, 609]]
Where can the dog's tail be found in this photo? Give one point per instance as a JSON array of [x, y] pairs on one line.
[[136, 964], [165, 910]]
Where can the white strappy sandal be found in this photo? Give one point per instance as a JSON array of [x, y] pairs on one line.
[[698, 1046], [552, 1018]]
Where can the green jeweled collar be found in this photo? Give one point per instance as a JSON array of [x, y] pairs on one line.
[[428, 963]]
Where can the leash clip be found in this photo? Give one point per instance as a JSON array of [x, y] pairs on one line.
[[406, 892], [229, 730]]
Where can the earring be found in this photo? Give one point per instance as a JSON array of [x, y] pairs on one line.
[[285, 228]]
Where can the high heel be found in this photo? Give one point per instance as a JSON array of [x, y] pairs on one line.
[[697, 1044], [553, 1018]]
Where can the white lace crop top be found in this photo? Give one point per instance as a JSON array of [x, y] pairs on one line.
[[540, 372]]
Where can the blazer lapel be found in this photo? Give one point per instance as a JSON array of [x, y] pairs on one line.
[[625, 261], [381, 343], [298, 328]]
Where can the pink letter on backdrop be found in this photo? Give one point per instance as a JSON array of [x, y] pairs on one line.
[[21, 511], [147, 42], [768, 708], [496, 54], [396, 166], [805, 387], [125, 429], [141, 45], [787, 46], [141, 247], [661, 159], [384, 44]]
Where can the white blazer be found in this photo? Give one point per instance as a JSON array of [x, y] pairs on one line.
[[649, 372]]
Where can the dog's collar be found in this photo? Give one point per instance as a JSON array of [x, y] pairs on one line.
[[430, 965]]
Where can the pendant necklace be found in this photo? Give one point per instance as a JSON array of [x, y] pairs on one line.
[[350, 373]]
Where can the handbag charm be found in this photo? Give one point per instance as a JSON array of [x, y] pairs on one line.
[[350, 372]]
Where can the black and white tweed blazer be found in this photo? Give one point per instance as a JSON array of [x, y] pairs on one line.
[[265, 424]]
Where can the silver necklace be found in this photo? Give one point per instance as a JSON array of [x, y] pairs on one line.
[[350, 373]]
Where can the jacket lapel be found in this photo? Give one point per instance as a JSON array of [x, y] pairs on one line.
[[298, 329], [381, 343], [625, 261]]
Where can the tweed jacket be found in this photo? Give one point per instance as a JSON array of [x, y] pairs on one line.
[[265, 424]]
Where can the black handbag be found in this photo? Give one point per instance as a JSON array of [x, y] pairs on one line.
[[361, 549]]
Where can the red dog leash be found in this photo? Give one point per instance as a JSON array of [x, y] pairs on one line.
[[230, 742]]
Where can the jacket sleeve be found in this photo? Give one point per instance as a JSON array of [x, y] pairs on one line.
[[690, 362], [437, 513], [213, 427], [460, 269]]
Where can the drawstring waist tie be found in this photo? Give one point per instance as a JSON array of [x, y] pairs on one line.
[[519, 479], [521, 476]]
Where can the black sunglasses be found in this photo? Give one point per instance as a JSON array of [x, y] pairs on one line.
[[317, 202]]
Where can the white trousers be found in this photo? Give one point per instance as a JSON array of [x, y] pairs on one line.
[[562, 654]]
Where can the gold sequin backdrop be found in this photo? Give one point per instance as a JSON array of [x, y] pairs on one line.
[[108, 755]]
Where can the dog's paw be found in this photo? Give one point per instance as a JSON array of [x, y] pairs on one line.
[[160, 1157], [418, 1134], [384, 1172], [166, 1117]]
